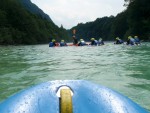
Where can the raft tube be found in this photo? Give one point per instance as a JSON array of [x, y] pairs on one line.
[[87, 97]]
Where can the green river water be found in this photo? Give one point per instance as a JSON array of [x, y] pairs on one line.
[[125, 69]]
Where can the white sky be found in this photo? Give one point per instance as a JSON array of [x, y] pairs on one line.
[[71, 12]]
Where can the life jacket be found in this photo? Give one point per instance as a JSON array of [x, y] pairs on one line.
[[132, 41], [51, 44], [94, 42], [100, 42], [63, 44], [82, 43], [120, 41], [137, 40]]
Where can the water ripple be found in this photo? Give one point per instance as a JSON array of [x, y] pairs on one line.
[[120, 67]]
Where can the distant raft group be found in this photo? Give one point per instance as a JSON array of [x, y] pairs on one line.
[[93, 42], [81, 42], [54, 43], [130, 41]]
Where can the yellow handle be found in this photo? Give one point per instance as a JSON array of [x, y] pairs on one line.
[[65, 101]]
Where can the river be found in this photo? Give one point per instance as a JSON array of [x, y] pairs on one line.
[[123, 68]]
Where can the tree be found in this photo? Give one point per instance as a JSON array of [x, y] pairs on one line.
[[20, 26]]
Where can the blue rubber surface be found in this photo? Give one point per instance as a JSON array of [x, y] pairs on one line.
[[87, 98]]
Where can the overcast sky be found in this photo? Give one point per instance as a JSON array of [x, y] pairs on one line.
[[71, 12]]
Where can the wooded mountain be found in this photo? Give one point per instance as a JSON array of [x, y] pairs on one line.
[[20, 24], [135, 20], [34, 9]]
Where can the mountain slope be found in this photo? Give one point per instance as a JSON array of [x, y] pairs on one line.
[[19, 26], [101, 27], [135, 20], [34, 9]]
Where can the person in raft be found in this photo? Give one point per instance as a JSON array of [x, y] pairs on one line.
[[53, 43], [137, 40], [130, 41], [100, 42], [94, 42], [118, 41], [63, 43], [82, 43], [75, 40]]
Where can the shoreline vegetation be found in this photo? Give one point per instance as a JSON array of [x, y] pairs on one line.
[[20, 25]]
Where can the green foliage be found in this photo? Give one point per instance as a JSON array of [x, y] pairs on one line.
[[139, 18], [135, 20], [19, 26], [34, 9], [99, 28]]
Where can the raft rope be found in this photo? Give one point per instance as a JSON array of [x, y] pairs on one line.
[[65, 101]]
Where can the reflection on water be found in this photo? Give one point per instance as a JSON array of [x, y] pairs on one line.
[[120, 67]]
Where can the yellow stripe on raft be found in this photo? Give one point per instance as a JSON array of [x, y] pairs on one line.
[[66, 101]]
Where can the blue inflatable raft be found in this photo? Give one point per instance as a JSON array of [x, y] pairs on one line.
[[75, 96]]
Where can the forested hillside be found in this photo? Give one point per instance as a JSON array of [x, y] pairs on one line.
[[101, 27], [20, 26], [135, 20], [22, 22], [34, 9]]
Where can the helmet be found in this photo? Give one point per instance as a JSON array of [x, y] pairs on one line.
[[117, 38], [53, 40], [92, 39], [62, 41], [129, 37], [135, 36], [81, 40]]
